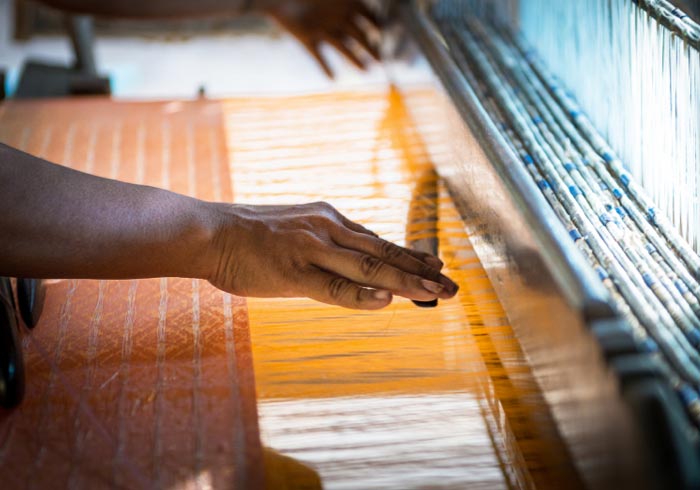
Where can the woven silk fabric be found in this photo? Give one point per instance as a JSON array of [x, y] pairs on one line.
[[133, 384], [149, 384]]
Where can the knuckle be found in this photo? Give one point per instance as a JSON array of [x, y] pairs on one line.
[[306, 238], [425, 270], [322, 221], [323, 205], [331, 211], [305, 246], [338, 287], [324, 215], [358, 297], [388, 250], [296, 263], [408, 281], [370, 266]]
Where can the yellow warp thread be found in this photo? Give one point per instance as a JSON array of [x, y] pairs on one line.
[[360, 152]]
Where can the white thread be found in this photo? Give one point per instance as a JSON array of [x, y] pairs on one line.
[[639, 83]]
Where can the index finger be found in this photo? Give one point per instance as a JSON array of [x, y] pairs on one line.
[[417, 263], [314, 50], [429, 259]]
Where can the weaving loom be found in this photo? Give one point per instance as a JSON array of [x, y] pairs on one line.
[[569, 358], [149, 383], [619, 367]]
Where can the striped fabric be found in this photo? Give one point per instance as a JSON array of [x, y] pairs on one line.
[[133, 384]]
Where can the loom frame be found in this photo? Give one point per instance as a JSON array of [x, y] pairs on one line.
[[621, 423]]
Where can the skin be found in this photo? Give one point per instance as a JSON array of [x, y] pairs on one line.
[[340, 23], [61, 223]]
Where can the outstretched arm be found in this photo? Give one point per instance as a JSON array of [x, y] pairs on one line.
[[339, 23], [61, 223]]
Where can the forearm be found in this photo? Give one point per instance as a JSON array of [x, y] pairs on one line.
[[155, 9], [59, 223]]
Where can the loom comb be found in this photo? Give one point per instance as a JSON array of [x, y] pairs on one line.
[[573, 107]]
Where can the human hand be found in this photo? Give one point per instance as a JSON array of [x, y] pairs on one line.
[[337, 22], [312, 250]]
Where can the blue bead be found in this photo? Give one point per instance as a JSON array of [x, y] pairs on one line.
[[569, 166], [621, 211], [688, 395], [602, 273], [607, 157], [617, 193], [543, 184], [575, 191], [694, 337], [527, 158], [573, 233], [649, 345], [648, 279], [624, 178]]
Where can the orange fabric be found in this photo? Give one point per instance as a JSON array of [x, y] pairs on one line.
[[402, 397], [133, 384], [150, 383]]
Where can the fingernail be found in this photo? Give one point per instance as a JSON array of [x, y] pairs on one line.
[[449, 285], [382, 294], [431, 286], [435, 262]]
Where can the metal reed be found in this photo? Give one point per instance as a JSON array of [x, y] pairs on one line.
[[635, 68], [648, 269]]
